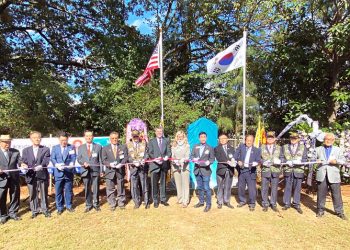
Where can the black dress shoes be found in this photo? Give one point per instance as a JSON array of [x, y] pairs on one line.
[[59, 212], [241, 204], [342, 216], [199, 205], [320, 214], [219, 206], [265, 209], [164, 203], [156, 205], [47, 214], [88, 209], [147, 206], [229, 205], [34, 216], [15, 217], [251, 209], [71, 210], [285, 207], [97, 209], [299, 210], [274, 208], [206, 209]]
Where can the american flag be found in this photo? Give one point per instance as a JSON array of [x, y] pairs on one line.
[[153, 64]]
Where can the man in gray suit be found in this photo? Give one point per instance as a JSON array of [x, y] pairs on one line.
[[114, 157], [159, 148], [35, 160], [9, 181], [328, 176], [90, 159]]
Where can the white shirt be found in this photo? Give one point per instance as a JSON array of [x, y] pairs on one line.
[[247, 156], [35, 151], [6, 153]]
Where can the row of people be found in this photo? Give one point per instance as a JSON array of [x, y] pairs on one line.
[[154, 159]]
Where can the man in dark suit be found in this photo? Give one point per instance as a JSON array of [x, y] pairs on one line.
[[63, 158], [90, 159], [138, 170], [293, 154], [35, 159], [114, 157], [224, 174], [159, 148], [203, 156], [270, 172], [9, 180], [248, 158]]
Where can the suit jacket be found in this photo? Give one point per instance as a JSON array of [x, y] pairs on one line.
[[153, 151], [255, 156], [266, 155], [287, 155], [43, 159], [207, 155], [68, 156], [138, 153], [108, 157], [221, 156], [14, 160], [332, 171], [94, 161]]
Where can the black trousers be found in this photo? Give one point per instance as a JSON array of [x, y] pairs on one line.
[[92, 190], [156, 177], [111, 185], [12, 187], [322, 190], [41, 187]]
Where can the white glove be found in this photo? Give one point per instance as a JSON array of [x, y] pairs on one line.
[[165, 158], [182, 161], [23, 170], [254, 164], [207, 163], [118, 165], [61, 168], [195, 159], [296, 162], [267, 163], [136, 163], [142, 162], [177, 162], [276, 161], [246, 165], [112, 165], [289, 163], [38, 168], [159, 162], [232, 163], [71, 165]]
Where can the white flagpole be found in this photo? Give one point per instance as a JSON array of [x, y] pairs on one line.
[[244, 83], [161, 77]]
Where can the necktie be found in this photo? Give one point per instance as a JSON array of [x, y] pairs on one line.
[[225, 149], [35, 151], [160, 143], [89, 150], [63, 148], [114, 151], [6, 155]]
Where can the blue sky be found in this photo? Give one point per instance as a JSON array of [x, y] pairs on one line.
[[142, 23]]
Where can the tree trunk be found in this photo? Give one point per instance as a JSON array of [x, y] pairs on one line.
[[334, 85]]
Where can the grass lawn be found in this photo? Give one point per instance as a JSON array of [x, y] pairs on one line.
[[178, 228]]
